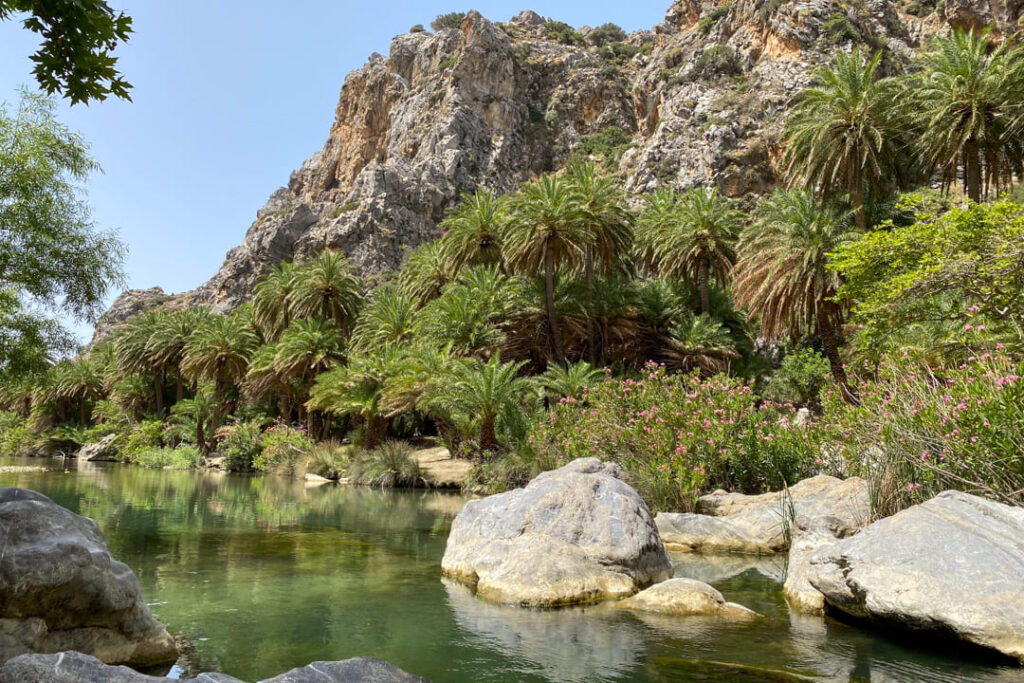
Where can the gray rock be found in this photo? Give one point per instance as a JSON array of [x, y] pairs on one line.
[[734, 522], [60, 589], [355, 670], [687, 597], [126, 306], [953, 564], [577, 534], [101, 450]]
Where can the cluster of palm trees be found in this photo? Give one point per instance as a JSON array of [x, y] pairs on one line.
[[565, 275]]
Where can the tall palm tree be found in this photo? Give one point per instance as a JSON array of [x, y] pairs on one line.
[[78, 382], [166, 344], [782, 275], [609, 227], [219, 351], [841, 133], [424, 273], [325, 287], [966, 104], [270, 300], [388, 316], [472, 232], [690, 235], [547, 231], [307, 348], [135, 356]]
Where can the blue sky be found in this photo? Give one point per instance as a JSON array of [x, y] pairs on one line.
[[230, 96]]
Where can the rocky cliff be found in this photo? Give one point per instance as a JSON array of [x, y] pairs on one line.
[[698, 99]]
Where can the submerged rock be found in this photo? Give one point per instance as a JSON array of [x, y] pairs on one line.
[[734, 522], [75, 667], [577, 534], [953, 564], [60, 589], [687, 597]]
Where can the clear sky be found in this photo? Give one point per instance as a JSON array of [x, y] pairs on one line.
[[230, 96]]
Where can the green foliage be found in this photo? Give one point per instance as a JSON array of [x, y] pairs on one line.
[[329, 459], [284, 450], [416, 28], [799, 379], [144, 436], [679, 438], [392, 464], [838, 28], [963, 268], [610, 143], [450, 20], [52, 258], [715, 61], [563, 33], [180, 458], [16, 439], [708, 21], [78, 37], [606, 34], [241, 443], [619, 53]]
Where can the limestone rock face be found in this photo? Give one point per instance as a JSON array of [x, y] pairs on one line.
[[60, 589], [953, 564], [493, 104], [573, 535], [734, 522], [687, 597], [128, 305]]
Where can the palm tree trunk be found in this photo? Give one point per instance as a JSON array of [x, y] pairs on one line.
[[588, 276], [972, 171], [374, 430], [702, 286], [158, 391], [830, 342], [549, 297], [857, 196], [179, 391], [81, 412], [488, 437], [200, 437]]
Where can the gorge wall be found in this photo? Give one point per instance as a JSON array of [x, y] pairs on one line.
[[698, 99]]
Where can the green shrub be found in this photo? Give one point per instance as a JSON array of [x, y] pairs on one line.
[[328, 459], [391, 464], [839, 29], [241, 444], [563, 33], [417, 28], [678, 436], [799, 379], [16, 439], [711, 18], [606, 34], [284, 450], [511, 469], [181, 458], [618, 53], [146, 435], [447, 21], [715, 61], [610, 143]]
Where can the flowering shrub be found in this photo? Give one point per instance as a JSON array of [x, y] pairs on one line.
[[284, 449], [679, 435], [241, 443], [924, 429]]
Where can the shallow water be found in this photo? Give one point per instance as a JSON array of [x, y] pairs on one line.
[[263, 574]]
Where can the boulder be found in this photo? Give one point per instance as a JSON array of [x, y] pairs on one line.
[[101, 450], [355, 670], [60, 589], [687, 597], [75, 667], [954, 564], [734, 522], [578, 534]]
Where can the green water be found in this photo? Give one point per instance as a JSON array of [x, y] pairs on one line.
[[263, 574]]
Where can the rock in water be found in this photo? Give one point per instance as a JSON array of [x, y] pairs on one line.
[[953, 564], [355, 670], [101, 450], [577, 534], [687, 597], [60, 589], [734, 522]]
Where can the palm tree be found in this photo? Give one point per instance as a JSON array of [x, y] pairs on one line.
[[388, 316], [194, 418], [424, 273], [485, 393], [327, 288], [270, 300], [965, 103], [609, 227], [79, 383], [547, 231], [571, 381], [307, 348], [701, 343], [219, 351], [166, 344], [841, 133], [472, 232], [690, 236], [135, 356], [782, 275]]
